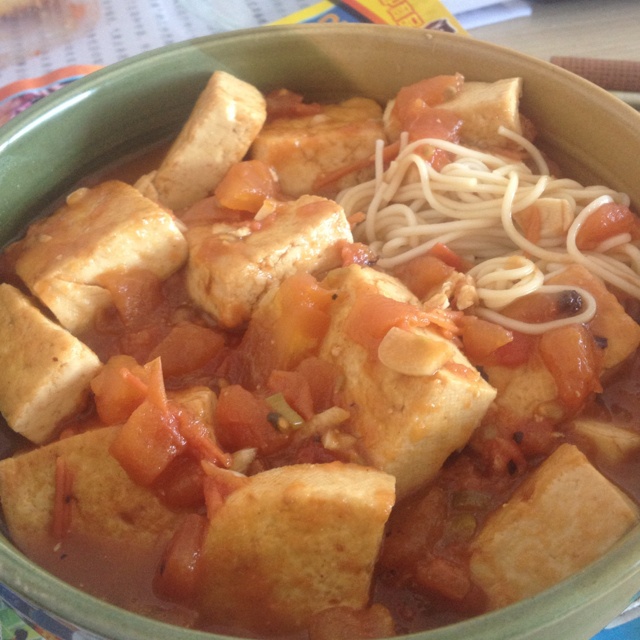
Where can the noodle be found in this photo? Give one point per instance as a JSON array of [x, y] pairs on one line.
[[469, 205]]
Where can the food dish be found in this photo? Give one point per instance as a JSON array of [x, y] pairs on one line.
[[435, 38]]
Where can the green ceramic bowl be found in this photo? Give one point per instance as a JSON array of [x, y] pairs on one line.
[[91, 123]]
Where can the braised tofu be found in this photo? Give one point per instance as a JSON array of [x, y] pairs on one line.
[[102, 502], [526, 391], [232, 266], [562, 518], [224, 122], [108, 228], [408, 414], [483, 107], [292, 542], [306, 150], [529, 390], [619, 331], [44, 371], [609, 443]]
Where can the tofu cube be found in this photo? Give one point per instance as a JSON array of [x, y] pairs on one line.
[[405, 425], [304, 150], [105, 504], [294, 541], [562, 518], [109, 227], [611, 322], [526, 391], [483, 107], [610, 444], [44, 370], [224, 122], [231, 267]]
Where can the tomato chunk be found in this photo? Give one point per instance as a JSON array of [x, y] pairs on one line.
[[175, 578], [188, 347], [242, 422], [119, 388], [607, 221], [571, 355], [246, 186]]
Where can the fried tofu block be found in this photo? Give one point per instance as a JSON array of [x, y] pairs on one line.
[[611, 322], [104, 503], [529, 390], [304, 150], [483, 108], [562, 518], [292, 542], [110, 227], [609, 443], [526, 391], [231, 267], [44, 370], [406, 425], [224, 122]]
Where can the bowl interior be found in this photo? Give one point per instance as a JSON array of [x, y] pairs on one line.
[[93, 122]]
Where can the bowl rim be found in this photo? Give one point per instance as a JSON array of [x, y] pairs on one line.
[[95, 616]]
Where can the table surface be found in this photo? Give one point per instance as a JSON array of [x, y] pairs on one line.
[[584, 28]]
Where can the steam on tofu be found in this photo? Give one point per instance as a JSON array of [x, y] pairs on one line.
[[407, 419], [44, 370], [107, 228], [562, 518], [104, 504], [224, 122], [294, 541], [305, 150], [232, 266]]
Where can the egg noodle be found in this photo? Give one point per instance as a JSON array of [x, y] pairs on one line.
[[469, 205]]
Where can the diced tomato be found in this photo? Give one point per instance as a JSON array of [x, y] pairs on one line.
[[148, 441], [176, 577], [450, 257], [416, 108], [373, 314], [180, 485], [441, 124], [119, 388], [482, 338], [293, 330], [531, 223], [357, 253], [322, 378], [423, 274], [135, 294], [516, 352], [246, 186], [209, 210], [283, 103], [429, 92], [199, 438], [575, 362], [188, 347], [296, 390], [241, 422], [607, 221]]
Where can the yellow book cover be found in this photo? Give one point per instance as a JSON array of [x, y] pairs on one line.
[[425, 14]]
